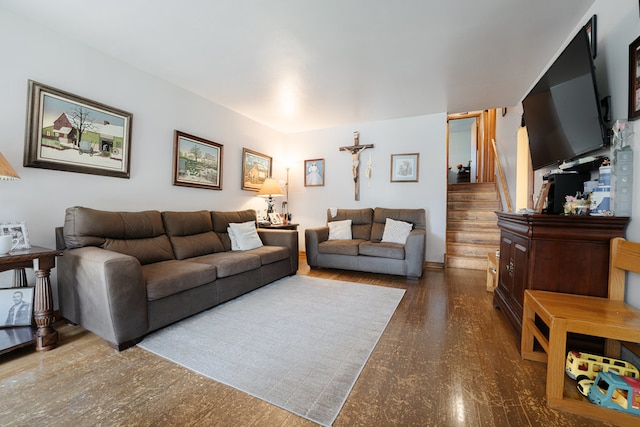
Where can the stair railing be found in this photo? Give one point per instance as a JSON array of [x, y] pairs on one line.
[[503, 182]]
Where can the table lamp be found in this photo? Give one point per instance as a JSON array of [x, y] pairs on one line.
[[6, 171], [270, 189]]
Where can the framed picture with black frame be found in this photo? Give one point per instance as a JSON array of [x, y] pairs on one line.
[[16, 307]]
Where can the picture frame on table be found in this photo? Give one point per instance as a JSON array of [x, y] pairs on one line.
[[405, 167], [275, 218], [18, 230], [67, 132], [16, 306], [634, 80], [591, 28], [197, 162], [256, 167], [314, 173]]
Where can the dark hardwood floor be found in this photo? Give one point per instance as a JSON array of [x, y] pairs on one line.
[[447, 358]]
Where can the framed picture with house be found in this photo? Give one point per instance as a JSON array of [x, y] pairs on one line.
[[70, 133], [256, 167], [197, 162]]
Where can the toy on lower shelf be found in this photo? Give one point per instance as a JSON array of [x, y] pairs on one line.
[[613, 391], [580, 366]]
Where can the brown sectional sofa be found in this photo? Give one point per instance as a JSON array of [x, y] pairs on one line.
[[366, 251], [125, 274]]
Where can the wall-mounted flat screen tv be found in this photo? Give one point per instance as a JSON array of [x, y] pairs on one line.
[[562, 111]]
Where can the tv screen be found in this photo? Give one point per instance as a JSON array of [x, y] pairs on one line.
[[562, 111]]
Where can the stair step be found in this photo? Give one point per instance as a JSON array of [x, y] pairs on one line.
[[492, 205], [467, 263], [475, 237], [470, 250], [479, 215], [471, 186], [477, 195], [471, 225]]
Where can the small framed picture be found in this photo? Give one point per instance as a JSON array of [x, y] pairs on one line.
[[19, 231], [404, 167], [256, 168], [314, 173], [16, 306], [196, 162], [274, 218], [634, 80]]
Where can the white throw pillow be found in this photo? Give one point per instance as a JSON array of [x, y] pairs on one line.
[[396, 231], [340, 230], [244, 236]]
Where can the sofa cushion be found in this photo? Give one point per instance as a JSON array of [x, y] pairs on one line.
[[382, 250], [340, 247], [380, 215], [230, 263], [361, 220], [221, 221], [244, 236], [91, 227], [170, 277], [396, 231], [271, 254], [340, 230], [191, 233], [147, 251]]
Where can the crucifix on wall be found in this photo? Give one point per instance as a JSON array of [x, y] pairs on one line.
[[355, 151]]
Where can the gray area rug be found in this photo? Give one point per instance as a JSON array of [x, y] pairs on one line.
[[299, 343]]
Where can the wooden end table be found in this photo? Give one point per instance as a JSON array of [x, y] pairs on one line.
[[42, 260]]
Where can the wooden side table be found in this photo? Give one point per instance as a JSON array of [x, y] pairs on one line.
[[42, 260], [288, 226]]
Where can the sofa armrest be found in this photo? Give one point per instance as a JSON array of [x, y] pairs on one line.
[[104, 292], [288, 238], [312, 238], [414, 252]]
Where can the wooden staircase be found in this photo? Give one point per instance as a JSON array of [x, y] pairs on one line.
[[471, 224]]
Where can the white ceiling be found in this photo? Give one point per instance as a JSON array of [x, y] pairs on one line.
[[296, 65]]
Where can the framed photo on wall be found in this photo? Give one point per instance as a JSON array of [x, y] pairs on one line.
[[634, 80], [69, 133], [314, 173], [256, 167], [18, 230], [197, 162], [404, 167], [16, 306]]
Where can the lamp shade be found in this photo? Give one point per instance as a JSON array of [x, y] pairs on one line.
[[6, 171], [270, 188]]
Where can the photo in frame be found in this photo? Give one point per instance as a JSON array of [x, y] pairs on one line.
[[18, 230], [256, 167], [69, 133], [197, 162], [275, 218], [404, 167], [634, 80], [314, 173], [591, 29], [16, 306]]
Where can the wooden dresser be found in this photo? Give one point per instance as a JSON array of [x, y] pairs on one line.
[[554, 253]]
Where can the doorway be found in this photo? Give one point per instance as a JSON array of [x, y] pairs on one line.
[[470, 157]]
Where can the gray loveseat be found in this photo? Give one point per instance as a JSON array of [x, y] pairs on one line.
[[365, 251], [125, 274]]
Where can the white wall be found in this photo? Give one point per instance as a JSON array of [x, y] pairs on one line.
[[425, 135], [618, 26], [41, 196]]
